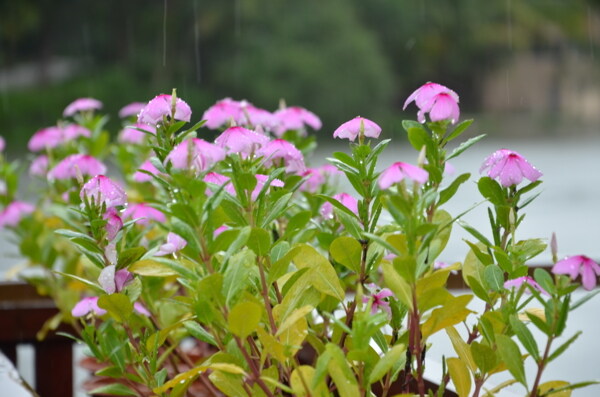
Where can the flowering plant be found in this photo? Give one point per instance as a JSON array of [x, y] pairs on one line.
[[214, 268]]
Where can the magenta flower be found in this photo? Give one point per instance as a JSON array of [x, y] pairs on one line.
[[77, 164], [315, 179], [113, 223], [345, 199], [195, 154], [2, 144], [224, 112], [353, 128], [220, 230], [260, 183], [294, 118], [439, 101], [379, 299], [174, 244], [398, 171], [46, 138], [519, 281], [143, 177], [579, 264], [73, 131], [241, 140], [82, 105], [509, 167], [101, 189], [143, 214], [280, 151], [132, 134], [161, 106], [257, 117], [132, 109], [87, 305], [39, 166], [12, 214], [113, 280], [218, 179]]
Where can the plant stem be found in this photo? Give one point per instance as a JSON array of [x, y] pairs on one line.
[[265, 295], [253, 368], [541, 365]]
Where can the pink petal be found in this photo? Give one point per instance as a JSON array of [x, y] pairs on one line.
[[133, 109], [568, 266], [141, 309], [14, 212], [107, 279], [444, 108], [82, 105], [588, 276]]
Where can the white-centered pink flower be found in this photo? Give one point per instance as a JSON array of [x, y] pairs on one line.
[[579, 264], [439, 101], [144, 214], [281, 152], [162, 106], [132, 109], [345, 199], [378, 297], [101, 189], [220, 180], [175, 243], [82, 105], [399, 171], [76, 165], [294, 118], [509, 167], [519, 281], [132, 134], [195, 154], [224, 112], [261, 180], [353, 128], [241, 140], [12, 214], [39, 166], [46, 138], [86, 306]]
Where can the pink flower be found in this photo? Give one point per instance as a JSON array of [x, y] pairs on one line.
[[519, 281], [101, 189], [113, 223], [256, 116], [82, 105], [132, 134], [14, 212], [223, 112], [46, 138], [220, 230], [174, 244], [509, 167], [398, 171], [345, 199], [143, 177], [73, 131], [579, 264], [195, 154], [281, 151], [133, 109], [39, 166], [141, 309], [294, 118], [87, 305], [379, 299], [260, 183], [2, 144], [314, 181], [241, 140], [77, 164], [218, 179], [439, 101], [353, 128], [143, 214], [161, 106]]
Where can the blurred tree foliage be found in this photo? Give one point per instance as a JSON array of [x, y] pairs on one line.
[[338, 58]]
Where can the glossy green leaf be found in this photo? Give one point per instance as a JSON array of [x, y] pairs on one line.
[[525, 337], [347, 251], [385, 363], [341, 373], [484, 357], [494, 277], [511, 356], [259, 241], [114, 389], [452, 312], [151, 268]]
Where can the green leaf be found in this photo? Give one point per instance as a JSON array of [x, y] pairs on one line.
[[484, 357], [187, 232], [130, 255], [239, 275], [341, 373], [115, 389], [452, 312], [294, 316], [494, 277], [461, 348], [385, 363], [151, 268], [451, 190], [199, 333], [398, 285], [460, 376], [117, 305], [347, 251], [464, 146], [459, 129], [418, 137], [259, 241], [322, 275], [525, 337], [491, 190], [90, 284], [511, 356], [543, 278]]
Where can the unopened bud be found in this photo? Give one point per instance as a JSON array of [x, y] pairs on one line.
[[554, 247], [421, 159]]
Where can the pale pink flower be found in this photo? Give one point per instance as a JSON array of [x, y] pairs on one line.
[[378, 297], [46, 138], [143, 177], [281, 151], [353, 128], [39, 166], [579, 264], [132, 134], [101, 189], [2, 144], [110, 252], [12, 214], [241, 140], [114, 223], [218, 179], [509, 167], [132, 109], [76, 164], [143, 214], [220, 230], [141, 309], [260, 183], [174, 244], [398, 171], [294, 118], [72, 131], [82, 105], [112, 280], [161, 106], [256, 116], [223, 113], [345, 199], [195, 154], [439, 101], [315, 179], [87, 305], [519, 281]]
